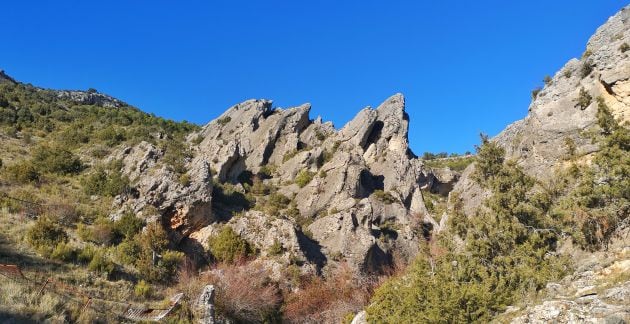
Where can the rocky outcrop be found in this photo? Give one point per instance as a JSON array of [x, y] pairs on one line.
[[597, 292], [6, 78], [159, 192], [90, 97], [557, 113], [565, 110], [357, 196]]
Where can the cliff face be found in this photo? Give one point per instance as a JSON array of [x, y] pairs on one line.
[[560, 110], [565, 110], [560, 131], [274, 174]]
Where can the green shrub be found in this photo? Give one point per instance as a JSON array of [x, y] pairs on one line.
[[128, 225], [129, 251], [456, 164], [197, 140], [278, 200], [432, 156], [56, 160], [624, 47], [184, 179], [289, 155], [507, 254], [7, 115], [22, 172], [567, 73], [303, 178], [571, 147], [325, 157], [597, 200], [320, 135], [228, 246], [64, 252], [153, 238], [227, 195], [111, 135], [586, 69], [169, 263], [45, 235], [102, 232], [224, 121], [276, 248], [384, 197], [547, 80], [489, 160], [154, 261], [86, 254], [143, 290], [584, 99], [267, 171], [74, 135], [102, 182], [176, 154], [605, 119], [259, 188], [101, 263]]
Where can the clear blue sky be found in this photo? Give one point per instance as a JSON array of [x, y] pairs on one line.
[[464, 66]]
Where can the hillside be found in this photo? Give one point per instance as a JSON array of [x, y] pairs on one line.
[[109, 212]]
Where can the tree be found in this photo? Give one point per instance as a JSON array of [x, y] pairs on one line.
[[56, 159], [490, 159], [505, 255], [44, 235]]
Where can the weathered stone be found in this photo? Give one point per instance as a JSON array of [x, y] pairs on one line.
[[205, 303]]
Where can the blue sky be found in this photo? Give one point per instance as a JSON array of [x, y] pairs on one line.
[[464, 66]]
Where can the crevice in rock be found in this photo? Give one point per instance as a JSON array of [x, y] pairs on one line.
[[376, 260], [368, 183], [427, 230], [374, 134], [608, 87], [194, 251], [232, 168], [225, 203]]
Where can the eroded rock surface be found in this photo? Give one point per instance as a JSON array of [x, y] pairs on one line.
[[557, 114], [352, 194]]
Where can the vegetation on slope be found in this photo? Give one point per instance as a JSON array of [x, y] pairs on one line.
[[508, 249], [53, 162], [504, 256]]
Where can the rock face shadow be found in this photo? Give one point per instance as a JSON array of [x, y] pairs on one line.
[[312, 250], [368, 183], [376, 260]]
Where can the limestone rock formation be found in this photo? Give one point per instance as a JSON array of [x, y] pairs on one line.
[[159, 191], [597, 292], [90, 97], [327, 195], [561, 110], [565, 110]]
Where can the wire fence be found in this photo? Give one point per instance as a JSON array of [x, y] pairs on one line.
[[126, 310]]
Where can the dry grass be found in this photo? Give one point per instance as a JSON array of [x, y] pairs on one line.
[[245, 292], [330, 300]]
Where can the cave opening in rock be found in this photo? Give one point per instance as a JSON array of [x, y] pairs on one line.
[[375, 134]]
